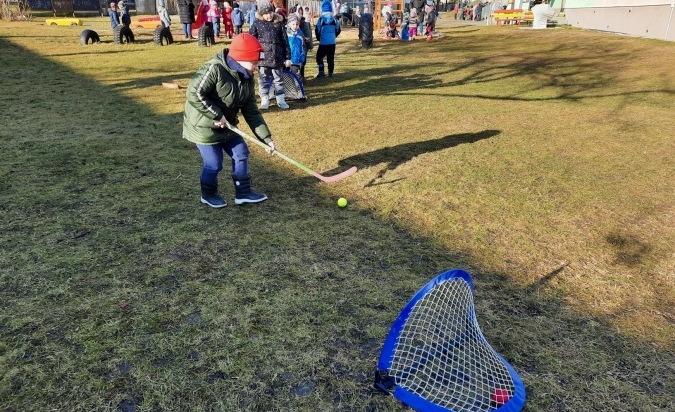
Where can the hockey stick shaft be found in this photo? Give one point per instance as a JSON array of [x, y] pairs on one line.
[[327, 179]]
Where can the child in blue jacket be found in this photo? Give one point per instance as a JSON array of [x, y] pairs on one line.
[[327, 30], [237, 18], [297, 42], [114, 17]]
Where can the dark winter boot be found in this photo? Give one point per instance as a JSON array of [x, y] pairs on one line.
[[321, 72], [210, 195], [244, 194]]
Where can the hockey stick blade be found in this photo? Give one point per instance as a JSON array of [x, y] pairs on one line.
[[335, 178], [326, 179]]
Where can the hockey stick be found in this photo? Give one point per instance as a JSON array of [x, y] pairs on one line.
[[327, 179]]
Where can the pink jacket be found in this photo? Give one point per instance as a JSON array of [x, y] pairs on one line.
[[213, 10]]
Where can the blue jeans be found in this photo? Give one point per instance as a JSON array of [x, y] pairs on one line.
[[187, 30], [213, 158]]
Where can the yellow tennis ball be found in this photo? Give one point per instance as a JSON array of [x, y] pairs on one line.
[[342, 202]]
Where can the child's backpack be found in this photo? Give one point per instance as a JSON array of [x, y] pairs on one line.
[[333, 23], [405, 33]]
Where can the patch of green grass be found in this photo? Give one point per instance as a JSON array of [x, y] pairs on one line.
[[546, 170]]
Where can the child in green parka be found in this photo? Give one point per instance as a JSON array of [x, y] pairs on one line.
[[221, 88]]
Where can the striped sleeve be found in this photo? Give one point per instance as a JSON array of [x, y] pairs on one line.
[[205, 86]]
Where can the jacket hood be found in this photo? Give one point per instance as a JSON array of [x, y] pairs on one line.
[[276, 19]]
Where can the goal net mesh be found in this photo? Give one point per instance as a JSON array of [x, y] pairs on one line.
[[442, 356]]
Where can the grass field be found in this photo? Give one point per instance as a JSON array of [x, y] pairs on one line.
[[542, 162]]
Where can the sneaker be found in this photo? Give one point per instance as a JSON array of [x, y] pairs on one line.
[[330, 74], [319, 75], [215, 201]]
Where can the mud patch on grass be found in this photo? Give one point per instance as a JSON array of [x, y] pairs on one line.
[[369, 348], [628, 249], [130, 403], [124, 368], [193, 318], [193, 356], [305, 387], [216, 376]]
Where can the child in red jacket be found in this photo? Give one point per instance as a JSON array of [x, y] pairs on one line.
[[227, 20]]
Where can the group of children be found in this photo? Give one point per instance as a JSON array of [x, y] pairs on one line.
[[231, 17], [286, 40], [119, 14], [212, 13], [410, 22], [224, 86]]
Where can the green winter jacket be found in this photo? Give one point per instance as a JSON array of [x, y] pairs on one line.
[[217, 90]]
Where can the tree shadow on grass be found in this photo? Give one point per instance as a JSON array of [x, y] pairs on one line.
[[289, 318], [565, 69], [395, 156], [568, 71]]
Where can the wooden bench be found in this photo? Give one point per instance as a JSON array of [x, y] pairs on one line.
[[508, 16], [516, 16]]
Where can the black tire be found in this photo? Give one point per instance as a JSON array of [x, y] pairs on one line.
[[123, 34], [162, 36], [89, 36], [206, 37]]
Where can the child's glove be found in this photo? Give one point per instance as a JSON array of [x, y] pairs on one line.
[[222, 123], [271, 148]]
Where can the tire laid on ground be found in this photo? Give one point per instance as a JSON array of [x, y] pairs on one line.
[[123, 34], [206, 37], [162, 36], [89, 36]]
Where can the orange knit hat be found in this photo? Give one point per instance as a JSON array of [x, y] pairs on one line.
[[246, 48]]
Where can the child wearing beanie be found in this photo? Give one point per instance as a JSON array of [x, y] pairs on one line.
[[214, 17], [413, 22], [222, 87], [227, 20], [269, 29], [327, 30], [237, 18]]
